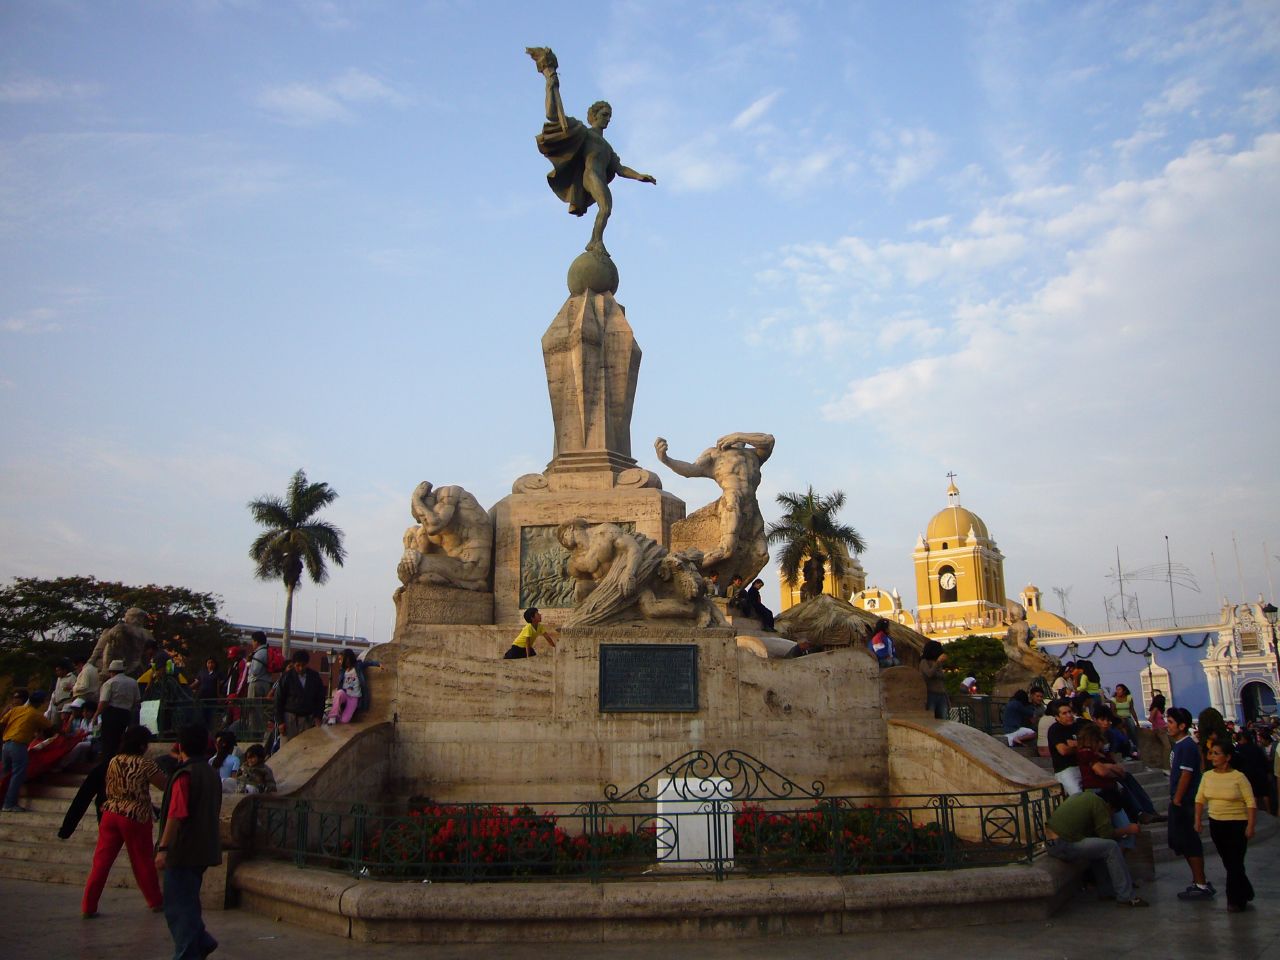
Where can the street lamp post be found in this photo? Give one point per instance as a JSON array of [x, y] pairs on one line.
[[1269, 611]]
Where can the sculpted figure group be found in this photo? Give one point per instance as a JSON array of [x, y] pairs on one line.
[[617, 574], [452, 543], [734, 464], [621, 576]]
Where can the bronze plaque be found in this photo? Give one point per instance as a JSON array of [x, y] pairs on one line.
[[648, 677]]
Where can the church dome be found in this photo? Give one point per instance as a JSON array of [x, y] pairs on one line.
[[953, 522]]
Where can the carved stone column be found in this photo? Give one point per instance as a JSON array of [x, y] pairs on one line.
[[593, 364]]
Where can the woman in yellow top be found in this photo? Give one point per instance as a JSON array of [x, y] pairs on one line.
[[522, 646], [1232, 810], [1122, 700]]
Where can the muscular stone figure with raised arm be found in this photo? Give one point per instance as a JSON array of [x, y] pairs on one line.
[[582, 161], [734, 464], [452, 543]]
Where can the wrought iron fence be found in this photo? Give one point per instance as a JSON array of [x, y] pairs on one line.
[[700, 815], [985, 713]]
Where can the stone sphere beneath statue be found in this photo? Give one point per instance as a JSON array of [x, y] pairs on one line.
[[592, 271]]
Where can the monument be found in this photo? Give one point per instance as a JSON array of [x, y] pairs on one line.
[[645, 671], [592, 364], [646, 665]]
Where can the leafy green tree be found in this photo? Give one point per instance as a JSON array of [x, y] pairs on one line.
[[813, 540], [974, 656], [42, 621], [294, 540]]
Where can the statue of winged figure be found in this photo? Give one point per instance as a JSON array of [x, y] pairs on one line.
[[582, 162]]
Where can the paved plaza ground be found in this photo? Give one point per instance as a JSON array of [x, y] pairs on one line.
[[43, 920]]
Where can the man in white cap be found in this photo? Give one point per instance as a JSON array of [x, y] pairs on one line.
[[118, 702]]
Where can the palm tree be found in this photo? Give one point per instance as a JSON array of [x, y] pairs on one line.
[[813, 540], [294, 540]]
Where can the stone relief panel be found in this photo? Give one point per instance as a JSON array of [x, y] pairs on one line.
[[544, 572]]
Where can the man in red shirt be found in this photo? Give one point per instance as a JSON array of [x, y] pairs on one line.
[[189, 843]]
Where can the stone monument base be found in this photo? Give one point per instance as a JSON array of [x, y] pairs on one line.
[[419, 604], [473, 726]]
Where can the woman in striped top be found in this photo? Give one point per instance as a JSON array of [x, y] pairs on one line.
[[1232, 810], [126, 821]]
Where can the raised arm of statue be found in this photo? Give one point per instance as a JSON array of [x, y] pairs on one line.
[[699, 468], [547, 65], [761, 442]]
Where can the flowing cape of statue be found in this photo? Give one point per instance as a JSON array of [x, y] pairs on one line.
[[566, 151], [607, 600]]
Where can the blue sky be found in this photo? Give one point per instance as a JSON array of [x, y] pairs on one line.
[[1033, 243]]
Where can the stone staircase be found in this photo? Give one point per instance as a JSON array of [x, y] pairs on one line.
[[29, 844]]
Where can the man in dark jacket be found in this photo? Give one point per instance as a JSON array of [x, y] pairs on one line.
[[300, 700], [189, 843]]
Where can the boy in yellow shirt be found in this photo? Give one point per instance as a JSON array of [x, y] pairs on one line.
[[522, 646]]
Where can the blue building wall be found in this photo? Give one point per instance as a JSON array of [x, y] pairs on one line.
[[1122, 661]]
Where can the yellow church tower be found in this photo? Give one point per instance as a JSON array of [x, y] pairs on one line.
[[959, 573]]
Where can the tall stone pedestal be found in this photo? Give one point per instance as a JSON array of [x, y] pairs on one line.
[[593, 363], [422, 604]]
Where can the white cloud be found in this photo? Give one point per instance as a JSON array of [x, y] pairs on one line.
[[931, 225], [1128, 146], [106, 182], [853, 259], [912, 330], [309, 104], [36, 320], [327, 14], [1174, 279], [699, 165], [1178, 97], [748, 117], [1252, 26], [798, 173], [1261, 105], [906, 155], [44, 90]]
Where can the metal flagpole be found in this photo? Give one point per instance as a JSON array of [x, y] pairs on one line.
[[1239, 573], [1168, 562]]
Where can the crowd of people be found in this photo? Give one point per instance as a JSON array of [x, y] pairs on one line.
[[91, 724], [1216, 770], [80, 723]]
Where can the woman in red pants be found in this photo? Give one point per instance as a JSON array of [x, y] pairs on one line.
[[126, 821]]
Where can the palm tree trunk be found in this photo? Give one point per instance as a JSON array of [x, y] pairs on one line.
[[288, 622]]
